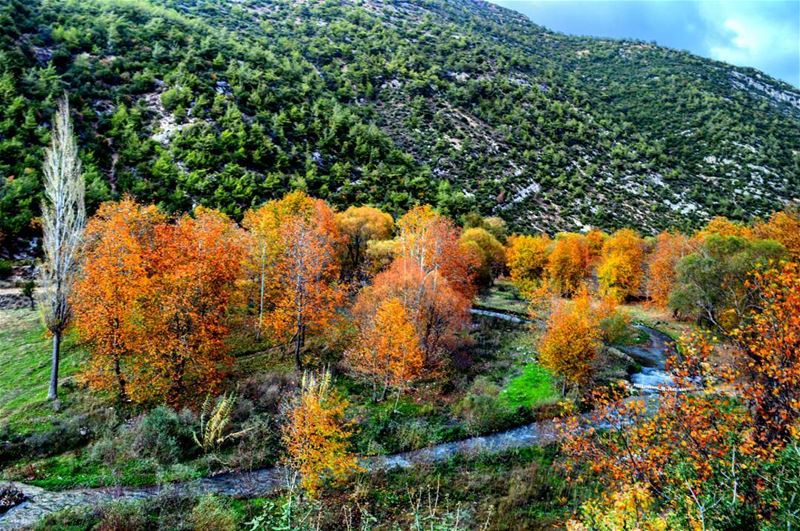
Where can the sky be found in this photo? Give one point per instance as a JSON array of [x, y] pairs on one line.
[[764, 34]]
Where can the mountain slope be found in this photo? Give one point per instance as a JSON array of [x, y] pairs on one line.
[[459, 103]]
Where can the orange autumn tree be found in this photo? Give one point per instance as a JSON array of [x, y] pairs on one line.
[[670, 247], [568, 265], [316, 435], [108, 295], [432, 275], [432, 242], [300, 273], [266, 245], [387, 349], [783, 227], [572, 340], [436, 310], [686, 452], [359, 226], [770, 341], [595, 239], [194, 265], [621, 268]]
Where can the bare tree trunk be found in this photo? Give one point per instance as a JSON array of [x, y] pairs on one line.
[[122, 394], [52, 393], [298, 360]]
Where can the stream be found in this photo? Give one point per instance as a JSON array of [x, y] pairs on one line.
[[651, 355]]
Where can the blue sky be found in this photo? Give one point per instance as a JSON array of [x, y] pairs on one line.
[[764, 34]]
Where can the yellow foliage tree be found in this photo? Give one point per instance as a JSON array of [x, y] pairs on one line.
[[526, 258], [317, 436], [360, 225], [595, 239], [568, 263], [632, 508], [489, 251], [783, 227], [724, 227], [572, 340], [387, 350], [621, 268], [379, 255]]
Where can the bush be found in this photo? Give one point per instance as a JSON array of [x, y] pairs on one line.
[[65, 435], [107, 451], [80, 517], [6, 268], [414, 434], [162, 435], [262, 393], [125, 516], [213, 513], [482, 409], [616, 328], [177, 472], [259, 447], [167, 510]]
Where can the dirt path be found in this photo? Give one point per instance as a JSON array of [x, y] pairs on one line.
[[266, 481]]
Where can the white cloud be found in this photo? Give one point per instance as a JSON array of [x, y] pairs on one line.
[[751, 34], [748, 40]]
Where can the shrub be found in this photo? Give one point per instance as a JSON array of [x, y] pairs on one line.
[[616, 328], [171, 508], [260, 446], [481, 408], [213, 513], [6, 268], [107, 451], [263, 393], [65, 435], [177, 472], [125, 516], [292, 513], [161, 435], [80, 517], [413, 434]]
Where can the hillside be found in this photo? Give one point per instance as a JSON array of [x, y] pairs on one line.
[[458, 103]]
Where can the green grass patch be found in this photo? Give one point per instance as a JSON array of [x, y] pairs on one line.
[[25, 354], [74, 469], [533, 387]]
